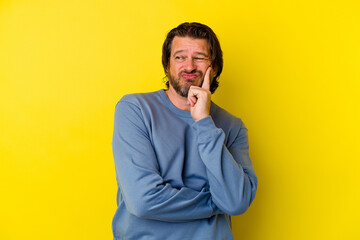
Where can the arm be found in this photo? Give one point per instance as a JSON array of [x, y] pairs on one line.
[[145, 193], [232, 179], [231, 176]]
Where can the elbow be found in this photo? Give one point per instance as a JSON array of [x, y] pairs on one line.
[[240, 204], [238, 209], [144, 208], [246, 198], [234, 207], [244, 203], [141, 210]]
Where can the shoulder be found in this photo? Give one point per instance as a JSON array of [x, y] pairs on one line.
[[139, 98], [225, 119], [141, 101], [140, 105], [132, 111], [233, 126]]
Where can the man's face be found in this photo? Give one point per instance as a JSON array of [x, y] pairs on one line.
[[189, 60]]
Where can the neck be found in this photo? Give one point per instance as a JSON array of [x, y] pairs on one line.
[[178, 101]]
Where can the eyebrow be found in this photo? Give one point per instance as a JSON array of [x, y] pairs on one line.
[[198, 53]]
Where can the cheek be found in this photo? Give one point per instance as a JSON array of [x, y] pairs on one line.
[[172, 69], [204, 66], [176, 70], [203, 69]]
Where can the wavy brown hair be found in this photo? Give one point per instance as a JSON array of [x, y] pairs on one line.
[[200, 31]]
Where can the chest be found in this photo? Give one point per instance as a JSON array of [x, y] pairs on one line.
[[175, 144]]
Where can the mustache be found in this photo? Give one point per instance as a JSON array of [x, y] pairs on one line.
[[191, 72]]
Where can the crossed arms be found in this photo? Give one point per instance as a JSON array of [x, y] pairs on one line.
[[230, 173]]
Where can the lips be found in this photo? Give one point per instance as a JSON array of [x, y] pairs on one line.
[[189, 75]]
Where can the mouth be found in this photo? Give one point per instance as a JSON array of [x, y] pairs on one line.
[[189, 75]]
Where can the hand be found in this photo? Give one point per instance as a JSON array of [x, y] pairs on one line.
[[199, 98]]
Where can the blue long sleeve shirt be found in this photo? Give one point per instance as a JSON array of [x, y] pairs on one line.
[[178, 179]]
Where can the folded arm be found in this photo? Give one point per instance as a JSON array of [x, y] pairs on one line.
[[231, 175]]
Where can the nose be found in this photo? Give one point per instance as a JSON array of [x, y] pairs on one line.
[[190, 65]]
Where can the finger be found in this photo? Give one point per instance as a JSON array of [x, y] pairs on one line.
[[192, 98], [206, 82], [192, 101]]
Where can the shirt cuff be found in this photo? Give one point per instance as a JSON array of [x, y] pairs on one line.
[[206, 129]]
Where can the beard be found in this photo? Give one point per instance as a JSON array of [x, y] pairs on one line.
[[182, 89]]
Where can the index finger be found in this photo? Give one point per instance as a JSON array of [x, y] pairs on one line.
[[206, 82]]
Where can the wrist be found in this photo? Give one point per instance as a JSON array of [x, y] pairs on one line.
[[200, 117]]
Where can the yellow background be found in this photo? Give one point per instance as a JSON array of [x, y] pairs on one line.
[[291, 72]]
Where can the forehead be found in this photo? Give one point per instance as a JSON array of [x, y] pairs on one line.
[[190, 45]]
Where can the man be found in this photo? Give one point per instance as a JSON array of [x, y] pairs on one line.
[[182, 163]]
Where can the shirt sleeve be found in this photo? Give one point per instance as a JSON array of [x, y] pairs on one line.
[[144, 191], [231, 175]]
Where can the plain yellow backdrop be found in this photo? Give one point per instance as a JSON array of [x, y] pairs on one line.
[[291, 72]]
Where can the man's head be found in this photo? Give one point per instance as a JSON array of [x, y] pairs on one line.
[[188, 51]]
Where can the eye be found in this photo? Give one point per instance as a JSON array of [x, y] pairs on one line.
[[179, 58], [200, 59]]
